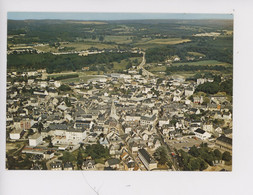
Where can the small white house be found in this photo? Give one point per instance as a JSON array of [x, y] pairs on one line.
[[208, 128], [201, 134], [218, 130], [57, 84], [198, 100], [16, 134], [200, 81], [164, 121], [189, 91]]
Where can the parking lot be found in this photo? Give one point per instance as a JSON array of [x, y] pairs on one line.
[[185, 143]]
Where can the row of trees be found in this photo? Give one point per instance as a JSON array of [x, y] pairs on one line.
[[61, 77], [59, 63], [96, 151], [200, 158], [52, 31], [23, 162], [215, 87], [161, 155], [217, 78], [196, 68]]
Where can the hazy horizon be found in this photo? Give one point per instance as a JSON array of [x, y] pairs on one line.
[[112, 16]]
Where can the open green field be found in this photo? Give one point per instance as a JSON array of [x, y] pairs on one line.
[[157, 69], [46, 48], [87, 45], [145, 44], [197, 54], [86, 22], [123, 63], [118, 39], [83, 76], [169, 41], [203, 63]]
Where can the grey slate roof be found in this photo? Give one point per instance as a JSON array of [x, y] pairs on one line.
[[201, 131], [113, 161], [225, 139], [146, 155]]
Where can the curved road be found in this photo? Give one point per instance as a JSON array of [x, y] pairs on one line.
[[141, 66]]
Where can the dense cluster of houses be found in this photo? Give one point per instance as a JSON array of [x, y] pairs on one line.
[[127, 113]]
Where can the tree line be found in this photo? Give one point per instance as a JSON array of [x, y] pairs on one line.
[[215, 87], [199, 158], [59, 63], [196, 68], [220, 49]]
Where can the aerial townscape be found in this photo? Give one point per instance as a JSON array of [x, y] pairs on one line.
[[127, 95]]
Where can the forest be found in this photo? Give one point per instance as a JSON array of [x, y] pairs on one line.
[[199, 158], [59, 63], [220, 49]]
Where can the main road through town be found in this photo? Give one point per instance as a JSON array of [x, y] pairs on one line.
[[141, 66]]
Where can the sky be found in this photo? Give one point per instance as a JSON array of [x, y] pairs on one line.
[[111, 16]]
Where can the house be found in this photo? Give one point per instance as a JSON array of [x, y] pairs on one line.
[[40, 92], [187, 102], [68, 166], [115, 149], [177, 133], [176, 98], [227, 132], [35, 139], [127, 130], [48, 154], [80, 124], [163, 121], [132, 118], [145, 136], [217, 115], [201, 134], [146, 159], [208, 127], [189, 91], [134, 147], [25, 123], [56, 166], [167, 128], [113, 163], [224, 143], [131, 166], [16, 134], [145, 120], [227, 116], [104, 141], [57, 84], [34, 73], [198, 100], [156, 143], [52, 92], [88, 164], [124, 156], [176, 59], [218, 99], [218, 130], [201, 81]]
